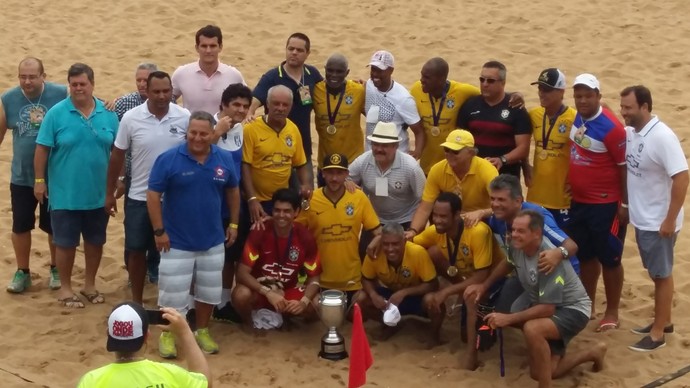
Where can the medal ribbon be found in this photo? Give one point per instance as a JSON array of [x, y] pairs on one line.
[[453, 254], [545, 135], [434, 116], [332, 116]]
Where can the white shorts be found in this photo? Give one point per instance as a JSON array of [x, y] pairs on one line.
[[177, 270]]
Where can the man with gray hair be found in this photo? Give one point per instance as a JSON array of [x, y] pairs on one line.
[[138, 97], [195, 178], [272, 147], [399, 281]]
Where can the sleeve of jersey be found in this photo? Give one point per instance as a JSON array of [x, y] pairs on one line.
[[122, 138], [551, 286], [463, 116], [317, 75], [355, 169], [671, 155], [523, 124], [300, 158], [470, 90], [426, 269], [250, 253], [482, 246], [233, 179], [248, 144], [368, 269], [175, 80], [615, 143], [371, 220], [260, 92], [418, 180], [46, 133], [555, 234], [427, 238], [158, 177], [432, 185], [313, 262], [186, 378], [408, 111]]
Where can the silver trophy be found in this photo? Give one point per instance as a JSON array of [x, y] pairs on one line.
[[332, 306]]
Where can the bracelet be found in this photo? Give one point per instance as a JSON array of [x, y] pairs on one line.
[[251, 199], [624, 205], [39, 180], [233, 226], [305, 300]]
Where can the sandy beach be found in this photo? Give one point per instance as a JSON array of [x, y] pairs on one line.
[[623, 43]]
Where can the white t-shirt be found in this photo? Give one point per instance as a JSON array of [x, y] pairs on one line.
[[394, 106], [653, 156], [234, 139], [148, 137]]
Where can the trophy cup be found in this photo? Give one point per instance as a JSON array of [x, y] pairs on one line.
[[332, 312]]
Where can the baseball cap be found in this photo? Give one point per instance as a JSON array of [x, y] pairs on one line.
[[335, 161], [458, 139], [127, 325], [385, 133], [587, 80], [382, 59], [551, 77]]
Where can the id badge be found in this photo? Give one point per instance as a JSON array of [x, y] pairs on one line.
[[304, 95], [381, 187]]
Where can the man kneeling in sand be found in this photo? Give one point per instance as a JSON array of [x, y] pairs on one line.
[[128, 333], [399, 281], [551, 311], [273, 257]]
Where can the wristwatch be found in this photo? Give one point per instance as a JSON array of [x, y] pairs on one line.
[[158, 232], [564, 252], [503, 160]]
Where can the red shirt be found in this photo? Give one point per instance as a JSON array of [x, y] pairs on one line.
[[270, 256]]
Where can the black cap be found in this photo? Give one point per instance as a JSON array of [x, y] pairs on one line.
[[335, 161], [552, 78]]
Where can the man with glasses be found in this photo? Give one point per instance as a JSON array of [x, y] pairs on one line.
[[502, 133], [22, 110], [462, 173]]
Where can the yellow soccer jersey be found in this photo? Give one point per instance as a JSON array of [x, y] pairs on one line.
[[145, 373], [457, 94], [271, 155], [551, 164], [473, 189], [475, 251], [336, 228], [349, 137], [416, 268]]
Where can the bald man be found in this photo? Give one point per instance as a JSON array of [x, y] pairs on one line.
[[338, 105], [438, 101], [22, 110]]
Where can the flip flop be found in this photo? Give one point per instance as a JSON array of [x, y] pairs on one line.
[[606, 325], [94, 297], [72, 302]]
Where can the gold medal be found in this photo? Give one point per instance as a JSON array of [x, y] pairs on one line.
[[452, 271], [305, 205], [435, 131], [543, 155], [586, 143], [331, 129]]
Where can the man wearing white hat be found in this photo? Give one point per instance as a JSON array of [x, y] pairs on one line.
[[128, 331], [389, 101], [393, 180], [597, 178]]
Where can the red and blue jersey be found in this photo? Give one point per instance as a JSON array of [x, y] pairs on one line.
[[596, 154]]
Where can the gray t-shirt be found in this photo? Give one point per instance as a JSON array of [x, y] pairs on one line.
[[561, 287]]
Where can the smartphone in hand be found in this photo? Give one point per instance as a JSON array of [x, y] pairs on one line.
[[156, 317]]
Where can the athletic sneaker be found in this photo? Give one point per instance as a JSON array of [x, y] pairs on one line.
[[54, 282], [206, 343], [647, 344], [226, 314], [166, 345], [20, 282], [648, 329]]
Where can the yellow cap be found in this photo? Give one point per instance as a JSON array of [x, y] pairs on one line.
[[459, 139]]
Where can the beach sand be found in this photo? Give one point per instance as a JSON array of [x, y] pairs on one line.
[[623, 43]]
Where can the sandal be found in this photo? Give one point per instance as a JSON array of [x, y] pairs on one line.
[[94, 297], [606, 325], [72, 302]]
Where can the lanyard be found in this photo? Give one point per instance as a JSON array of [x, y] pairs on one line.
[[436, 117], [545, 135], [282, 258], [334, 115], [453, 254]]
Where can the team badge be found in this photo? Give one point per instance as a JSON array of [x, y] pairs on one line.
[[398, 185], [505, 113], [293, 255], [335, 159], [348, 100], [238, 140], [219, 172], [562, 128], [350, 209], [640, 148], [450, 104], [288, 140], [174, 129], [465, 250], [532, 276], [405, 273]]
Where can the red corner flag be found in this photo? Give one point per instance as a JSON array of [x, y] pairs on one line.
[[360, 353]]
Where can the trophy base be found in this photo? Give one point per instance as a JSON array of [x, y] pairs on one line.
[[333, 351]]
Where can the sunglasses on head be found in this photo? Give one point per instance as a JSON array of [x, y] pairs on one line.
[[487, 80]]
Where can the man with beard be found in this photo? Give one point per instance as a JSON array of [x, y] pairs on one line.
[[338, 105]]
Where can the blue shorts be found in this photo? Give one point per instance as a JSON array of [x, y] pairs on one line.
[[68, 225], [593, 227], [411, 305], [138, 229]]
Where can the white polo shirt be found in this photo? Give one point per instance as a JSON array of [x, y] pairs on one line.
[[394, 106], [404, 184], [653, 156], [200, 92], [147, 138]]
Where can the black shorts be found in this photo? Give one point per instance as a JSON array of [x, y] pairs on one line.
[[24, 210], [592, 227], [138, 229], [569, 323], [71, 224]]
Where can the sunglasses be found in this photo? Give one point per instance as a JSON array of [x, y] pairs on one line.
[[449, 151], [488, 80]]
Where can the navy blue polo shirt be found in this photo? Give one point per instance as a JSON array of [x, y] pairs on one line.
[[300, 114], [192, 195]]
